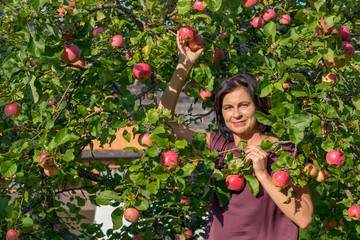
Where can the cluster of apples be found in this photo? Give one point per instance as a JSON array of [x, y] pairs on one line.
[[270, 15]]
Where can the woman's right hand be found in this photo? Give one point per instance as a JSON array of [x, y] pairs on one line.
[[186, 56]]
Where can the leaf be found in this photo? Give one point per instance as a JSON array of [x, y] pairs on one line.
[[217, 174], [266, 145], [289, 195], [242, 145], [296, 135], [159, 173], [36, 45], [299, 121], [8, 169], [327, 145], [27, 222], [222, 193], [142, 205], [270, 31], [126, 135], [107, 197], [61, 138], [214, 5], [181, 143], [184, 6], [69, 155], [253, 184], [149, 4], [153, 187], [35, 88], [152, 152], [117, 218]]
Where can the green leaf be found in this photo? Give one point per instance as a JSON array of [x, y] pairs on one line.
[[296, 135], [142, 205], [35, 88], [153, 187], [217, 174], [152, 152], [150, 4], [126, 135], [107, 197], [159, 173], [299, 121], [69, 155], [3, 204], [62, 137], [117, 218], [27, 222], [242, 145], [214, 5], [327, 145], [266, 145], [8, 169], [183, 6], [181, 144], [82, 110], [289, 195], [270, 30], [253, 184], [222, 193], [36, 45]]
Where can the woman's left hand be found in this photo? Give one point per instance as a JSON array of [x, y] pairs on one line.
[[259, 158]]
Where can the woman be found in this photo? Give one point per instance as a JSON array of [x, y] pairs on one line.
[[264, 216]]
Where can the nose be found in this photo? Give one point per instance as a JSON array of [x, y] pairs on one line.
[[237, 113]]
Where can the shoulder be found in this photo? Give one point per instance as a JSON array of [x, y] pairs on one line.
[[217, 141]]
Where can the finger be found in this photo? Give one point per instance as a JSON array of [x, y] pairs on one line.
[[198, 52], [253, 149]]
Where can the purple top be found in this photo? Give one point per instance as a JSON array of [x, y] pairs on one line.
[[248, 217]]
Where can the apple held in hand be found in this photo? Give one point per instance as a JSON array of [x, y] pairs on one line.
[[187, 33], [235, 182], [329, 77], [169, 160], [281, 179], [258, 22], [269, 15], [310, 170], [132, 215], [205, 95], [12, 235], [70, 54], [197, 43], [185, 201], [335, 158], [117, 41], [12, 110], [285, 19], [249, 3], [354, 212], [144, 140], [141, 71]]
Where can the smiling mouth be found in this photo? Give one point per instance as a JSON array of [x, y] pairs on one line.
[[239, 122]]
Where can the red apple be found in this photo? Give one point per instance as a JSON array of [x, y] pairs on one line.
[[141, 71], [189, 84], [117, 41], [70, 54], [322, 175], [249, 3], [12, 235], [169, 160], [197, 43], [144, 140], [205, 95], [310, 170], [187, 33], [329, 225], [285, 19], [51, 102], [96, 32], [286, 85], [80, 63], [50, 171], [354, 212], [45, 161], [12, 110], [185, 201], [281, 179], [218, 54], [343, 32], [188, 234], [269, 15], [32, 62], [222, 36], [335, 62], [235, 182], [258, 22], [150, 95], [324, 30], [199, 6], [132, 215], [329, 77], [350, 50], [335, 158]]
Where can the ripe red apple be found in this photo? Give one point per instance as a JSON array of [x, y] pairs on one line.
[[286, 85], [310, 170], [308, 8], [329, 77], [205, 95], [12, 110], [185, 201], [144, 140], [132, 215], [50, 171], [235, 182], [354, 212], [51, 102], [141, 71], [218, 54], [281, 179], [197, 43], [258, 22], [329, 225], [199, 6], [48, 160], [80, 63], [188, 234], [285, 19], [189, 84], [335, 158], [12, 235], [137, 238], [70, 54], [322, 175], [187, 33], [249, 3], [335, 62], [269, 15], [169, 160], [117, 41], [349, 52], [324, 30], [32, 62], [96, 32], [343, 32], [222, 36]]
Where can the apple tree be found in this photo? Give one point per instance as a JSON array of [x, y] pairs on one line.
[[65, 71]]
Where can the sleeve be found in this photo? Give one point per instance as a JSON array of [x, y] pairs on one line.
[[216, 141]]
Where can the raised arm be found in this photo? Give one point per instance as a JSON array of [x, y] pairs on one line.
[[187, 58]]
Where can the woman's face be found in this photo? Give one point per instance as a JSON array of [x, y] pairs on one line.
[[238, 111]]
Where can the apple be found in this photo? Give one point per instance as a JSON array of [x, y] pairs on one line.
[[50, 171], [12, 235], [141, 71], [222, 36], [335, 158], [285, 19], [335, 62], [310, 170], [63, 10], [144, 140], [258, 22], [48, 160], [324, 31], [286, 85], [14, 124], [329, 225], [169, 160], [343, 32], [281, 179], [187, 33], [188, 234], [80, 63], [132, 215], [350, 50], [150, 95], [322, 175], [189, 84], [199, 6], [12, 110], [354, 212], [205, 95], [70, 54], [308, 8], [185, 201], [329, 77], [137, 238], [269, 15], [218, 54], [235, 182], [96, 32], [129, 56], [32, 62], [197, 43], [323, 131], [249, 3], [51, 102], [117, 41]]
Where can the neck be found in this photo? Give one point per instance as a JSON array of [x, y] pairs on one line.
[[252, 139]]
